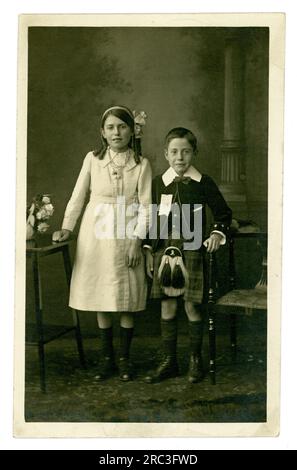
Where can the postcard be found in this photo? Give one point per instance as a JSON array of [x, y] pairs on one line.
[[114, 335]]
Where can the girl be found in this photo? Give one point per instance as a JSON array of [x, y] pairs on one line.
[[182, 185], [108, 272]]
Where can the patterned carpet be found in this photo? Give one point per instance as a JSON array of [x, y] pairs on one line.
[[75, 395]]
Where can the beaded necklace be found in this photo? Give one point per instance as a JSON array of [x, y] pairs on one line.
[[117, 170]]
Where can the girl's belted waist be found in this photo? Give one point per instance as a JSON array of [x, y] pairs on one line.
[[97, 199]]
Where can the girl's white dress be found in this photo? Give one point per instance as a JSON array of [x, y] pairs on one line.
[[118, 209]]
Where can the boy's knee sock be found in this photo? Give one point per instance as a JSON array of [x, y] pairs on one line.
[[196, 337], [106, 342], [169, 336], [126, 335]]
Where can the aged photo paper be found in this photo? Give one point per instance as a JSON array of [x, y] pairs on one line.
[[222, 77]]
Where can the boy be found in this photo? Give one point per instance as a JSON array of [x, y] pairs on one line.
[[181, 195]]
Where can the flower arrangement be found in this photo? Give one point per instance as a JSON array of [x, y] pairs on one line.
[[140, 121], [38, 213]]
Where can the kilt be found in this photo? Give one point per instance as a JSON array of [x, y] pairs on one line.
[[193, 261]]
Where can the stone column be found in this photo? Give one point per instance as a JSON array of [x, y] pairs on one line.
[[233, 173]]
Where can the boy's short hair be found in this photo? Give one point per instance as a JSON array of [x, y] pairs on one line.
[[182, 133]]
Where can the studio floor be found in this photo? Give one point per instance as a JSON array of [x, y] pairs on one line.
[[75, 395]]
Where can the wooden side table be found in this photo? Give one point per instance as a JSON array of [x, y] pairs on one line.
[[39, 333]]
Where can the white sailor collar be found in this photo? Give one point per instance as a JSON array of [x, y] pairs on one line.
[[170, 174]]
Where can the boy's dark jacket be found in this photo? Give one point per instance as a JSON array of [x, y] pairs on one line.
[[189, 191]]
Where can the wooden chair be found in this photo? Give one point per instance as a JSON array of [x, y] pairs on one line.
[[235, 300]]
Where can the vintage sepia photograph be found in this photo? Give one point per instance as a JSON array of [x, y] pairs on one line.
[[149, 189]]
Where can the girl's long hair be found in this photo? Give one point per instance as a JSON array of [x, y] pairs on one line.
[[127, 117]]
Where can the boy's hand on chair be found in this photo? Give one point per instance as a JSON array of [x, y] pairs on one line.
[[213, 242], [61, 235], [149, 262]]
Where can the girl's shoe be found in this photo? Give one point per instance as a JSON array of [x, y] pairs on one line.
[[107, 368], [125, 369]]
